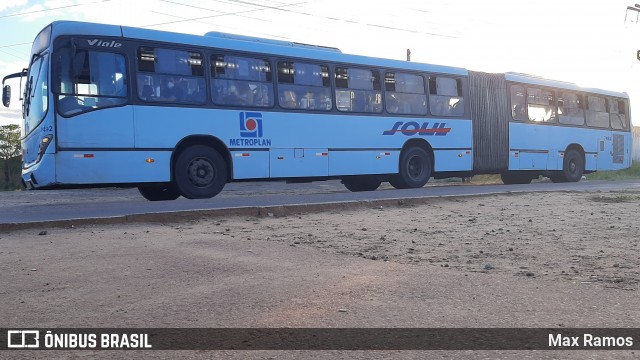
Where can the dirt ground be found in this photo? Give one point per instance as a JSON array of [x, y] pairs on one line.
[[514, 260], [576, 237]]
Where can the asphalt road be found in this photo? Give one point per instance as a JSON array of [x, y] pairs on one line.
[[51, 205]]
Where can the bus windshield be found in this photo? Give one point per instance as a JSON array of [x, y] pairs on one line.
[[35, 104]]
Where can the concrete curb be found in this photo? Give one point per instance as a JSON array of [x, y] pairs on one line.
[[256, 211]]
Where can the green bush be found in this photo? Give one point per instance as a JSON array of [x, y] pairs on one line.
[[10, 181]]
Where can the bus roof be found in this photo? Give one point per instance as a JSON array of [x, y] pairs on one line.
[[536, 80], [291, 49], [245, 43], [269, 41]]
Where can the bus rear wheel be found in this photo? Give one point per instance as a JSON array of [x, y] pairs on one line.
[[396, 182], [361, 183], [572, 168], [200, 172], [415, 169], [159, 193]]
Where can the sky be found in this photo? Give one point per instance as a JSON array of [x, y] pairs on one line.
[[589, 42]]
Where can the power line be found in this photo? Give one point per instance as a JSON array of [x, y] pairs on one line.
[[148, 25], [220, 14], [207, 9], [252, 8], [192, 19], [267, 7], [20, 44], [341, 20], [50, 9], [14, 55], [218, 25], [191, 6]]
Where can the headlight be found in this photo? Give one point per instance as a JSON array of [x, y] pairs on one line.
[[44, 144]]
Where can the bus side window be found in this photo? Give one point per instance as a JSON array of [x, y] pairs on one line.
[[597, 114], [541, 105], [518, 103], [570, 108], [241, 81], [304, 86], [358, 90], [170, 75], [445, 96], [405, 94], [98, 80], [617, 112]]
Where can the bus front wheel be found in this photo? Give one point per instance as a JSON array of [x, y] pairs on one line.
[[361, 183], [159, 193], [415, 169], [200, 172]]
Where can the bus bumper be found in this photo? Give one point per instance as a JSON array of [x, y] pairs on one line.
[[41, 174]]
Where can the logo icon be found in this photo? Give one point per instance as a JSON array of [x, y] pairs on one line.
[[412, 128], [250, 125], [23, 339]]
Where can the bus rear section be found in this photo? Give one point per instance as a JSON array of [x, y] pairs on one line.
[[526, 126]]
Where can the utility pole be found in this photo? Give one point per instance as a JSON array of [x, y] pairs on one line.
[[632, 17], [633, 11]]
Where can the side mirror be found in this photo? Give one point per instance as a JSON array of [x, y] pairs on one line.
[[6, 95]]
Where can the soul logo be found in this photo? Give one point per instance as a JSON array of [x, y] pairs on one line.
[[411, 128]]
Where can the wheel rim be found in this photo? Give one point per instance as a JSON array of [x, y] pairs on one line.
[[572, 167], [201, 172], [415, 168]]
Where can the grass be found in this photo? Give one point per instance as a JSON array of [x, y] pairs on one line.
[[631, 173], [486, 179], [476, 179]]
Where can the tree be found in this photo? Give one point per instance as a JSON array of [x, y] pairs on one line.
[[9, 150]]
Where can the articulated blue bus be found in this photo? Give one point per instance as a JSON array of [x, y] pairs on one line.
[[182, 115]]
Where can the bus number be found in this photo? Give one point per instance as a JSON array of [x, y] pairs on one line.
[[46, 128]]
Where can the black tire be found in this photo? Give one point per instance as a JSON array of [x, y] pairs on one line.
[[159, 193], [414, 170], [361, 183], [515, 177], [557, 177], [200, 172], [397, 182], [573, 167]]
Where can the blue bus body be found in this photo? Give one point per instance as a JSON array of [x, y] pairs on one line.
[[123, 139], [542, 147]]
